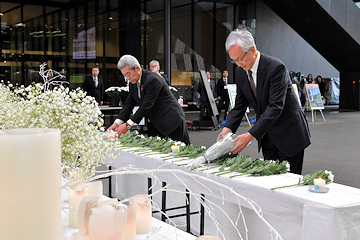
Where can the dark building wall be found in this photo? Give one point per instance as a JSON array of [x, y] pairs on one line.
[[274, 37], [346, 13]]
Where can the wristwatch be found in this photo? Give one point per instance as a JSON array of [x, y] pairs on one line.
[[128, 126]]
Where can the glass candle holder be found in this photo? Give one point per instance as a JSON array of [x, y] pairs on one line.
[[143, 214], [76, 194]]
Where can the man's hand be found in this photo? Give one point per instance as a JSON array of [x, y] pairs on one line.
[[113, 126], [223, 133], [219, 97], [242, 141], [122, 129]]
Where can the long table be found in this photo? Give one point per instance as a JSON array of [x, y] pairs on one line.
[[295, 212]]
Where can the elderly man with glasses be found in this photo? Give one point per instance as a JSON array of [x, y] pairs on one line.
[[263, 83]]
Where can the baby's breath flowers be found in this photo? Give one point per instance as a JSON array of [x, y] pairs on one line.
[[71, 111]]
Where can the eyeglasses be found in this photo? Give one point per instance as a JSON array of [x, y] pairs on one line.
[[127, 74], [237, 60]]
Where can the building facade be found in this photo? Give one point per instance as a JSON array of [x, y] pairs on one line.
[[185, 36]]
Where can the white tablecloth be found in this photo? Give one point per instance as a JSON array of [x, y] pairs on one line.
[[296, 213]]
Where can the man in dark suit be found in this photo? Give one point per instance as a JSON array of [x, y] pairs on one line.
[[154, 66], [151, 93], [222, 93], [94, 85], [264, 83]]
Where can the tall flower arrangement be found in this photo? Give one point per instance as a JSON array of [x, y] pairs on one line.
[[75, 114]]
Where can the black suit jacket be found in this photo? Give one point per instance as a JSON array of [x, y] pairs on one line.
[[277, 109], [96, 92], [157, 103], [166, 79], [221, 91]]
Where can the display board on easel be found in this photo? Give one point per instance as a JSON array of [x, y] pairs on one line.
[[314, 99], [232, 96]]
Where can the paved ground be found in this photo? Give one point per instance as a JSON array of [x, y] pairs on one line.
[[334, 143]]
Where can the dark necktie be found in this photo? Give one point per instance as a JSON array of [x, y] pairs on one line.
[[95, 82], [138, 86], [252, 84]]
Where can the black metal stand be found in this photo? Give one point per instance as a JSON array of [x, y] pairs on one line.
[[187, 213]]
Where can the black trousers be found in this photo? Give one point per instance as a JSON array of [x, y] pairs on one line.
[[223, 104], [179, 134], [270, 152]]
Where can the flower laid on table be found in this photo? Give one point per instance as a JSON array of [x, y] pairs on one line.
[[76, 115], [308, 179], [117, 91]]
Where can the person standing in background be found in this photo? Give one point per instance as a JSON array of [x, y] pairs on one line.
[[321, 84], [94, 85], [222, 93], [154, 66]]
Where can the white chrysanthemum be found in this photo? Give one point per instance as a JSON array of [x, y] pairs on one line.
[[288, 166], [331, 175]]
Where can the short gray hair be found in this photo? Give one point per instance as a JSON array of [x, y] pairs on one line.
[[241, 37], [128, 60], [154, 61]]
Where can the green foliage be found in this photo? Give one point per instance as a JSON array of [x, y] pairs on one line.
[[231, 163]]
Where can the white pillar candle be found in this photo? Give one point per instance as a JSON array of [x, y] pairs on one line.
[[143, 214], [95, 189], [130, 227], [76, 194], [319, 184], [30, 184]]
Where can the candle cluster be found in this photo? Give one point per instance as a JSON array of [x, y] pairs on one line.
[[106, 220]]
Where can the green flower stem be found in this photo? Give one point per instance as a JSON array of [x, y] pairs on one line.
[[238, 175], [297, 184], [225, 172], [209, 168]]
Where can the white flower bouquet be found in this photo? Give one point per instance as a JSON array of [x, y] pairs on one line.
[[117, 91], [75, 114]]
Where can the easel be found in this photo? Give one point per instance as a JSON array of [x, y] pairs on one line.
[[312, 114], [211, 107], [314, 100]]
